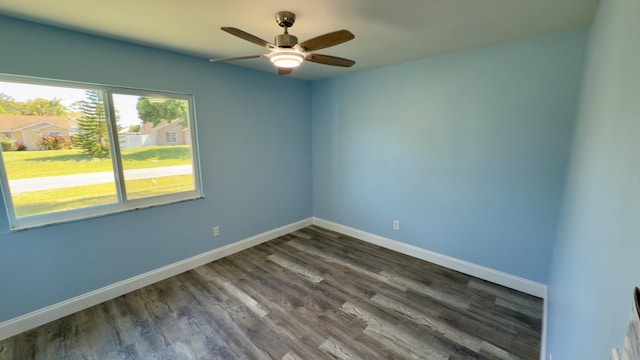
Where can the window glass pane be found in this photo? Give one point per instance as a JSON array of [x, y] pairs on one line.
[[170, 137], [55, 147], [155, 144]]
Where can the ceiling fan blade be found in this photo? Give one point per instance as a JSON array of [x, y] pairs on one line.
[[237, 58], [330, 60], [326, 40], [246, 36], [284, 71]]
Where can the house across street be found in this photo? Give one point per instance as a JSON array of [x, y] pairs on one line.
[[29, 129]]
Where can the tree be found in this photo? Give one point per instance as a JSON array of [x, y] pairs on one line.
[[155, 111], [39, 106], [44, 107], [93, 137], [9, 106]]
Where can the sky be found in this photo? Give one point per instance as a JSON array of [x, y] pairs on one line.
[[125, 104]]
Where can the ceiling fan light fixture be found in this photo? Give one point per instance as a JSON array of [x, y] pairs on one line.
[[287, 59]]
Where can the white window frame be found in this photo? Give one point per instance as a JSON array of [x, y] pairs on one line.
[[170, 137], [123, 204], [55, 133]]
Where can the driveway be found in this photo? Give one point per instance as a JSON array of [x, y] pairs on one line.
[[67, 181]]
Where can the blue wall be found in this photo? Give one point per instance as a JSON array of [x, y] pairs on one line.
[[256, 167], [596, 261], [467, 150]]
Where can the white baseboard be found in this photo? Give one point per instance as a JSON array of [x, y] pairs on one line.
[[514, 282], [42, 316]]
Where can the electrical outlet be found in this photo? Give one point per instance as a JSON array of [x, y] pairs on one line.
[[216, 231], [396, 224]]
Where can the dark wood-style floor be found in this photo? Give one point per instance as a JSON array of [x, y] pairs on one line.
[[311, 294]]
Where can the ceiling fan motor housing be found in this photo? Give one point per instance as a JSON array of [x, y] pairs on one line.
[[285, 40]]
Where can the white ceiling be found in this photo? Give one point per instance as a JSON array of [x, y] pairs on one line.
[[386, 32]]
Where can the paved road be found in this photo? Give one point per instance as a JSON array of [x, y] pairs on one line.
[[66, 181]]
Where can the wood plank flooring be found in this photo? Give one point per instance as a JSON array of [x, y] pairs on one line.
[[311, 294]]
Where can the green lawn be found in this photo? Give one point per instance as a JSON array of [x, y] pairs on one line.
[[46, 201], [32, 164]]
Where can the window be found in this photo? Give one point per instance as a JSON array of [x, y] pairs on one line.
[[98, 166], [170, 137]]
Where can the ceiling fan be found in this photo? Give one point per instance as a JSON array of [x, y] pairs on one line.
[[287, 54]]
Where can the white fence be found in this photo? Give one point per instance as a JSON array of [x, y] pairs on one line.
[[132, 141]]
